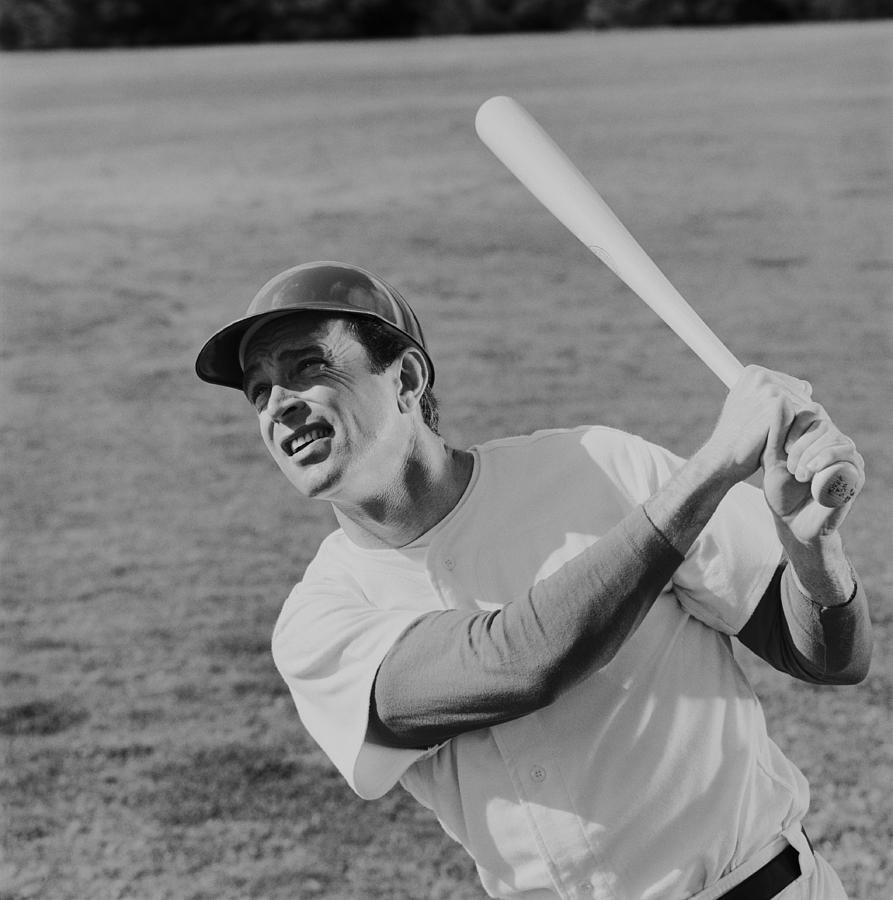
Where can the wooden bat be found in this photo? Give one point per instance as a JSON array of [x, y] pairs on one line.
[[522, 145]]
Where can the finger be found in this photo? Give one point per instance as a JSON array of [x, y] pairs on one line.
[[811, 425], [797, 387], [834, 448], [809, 417], [783, 416], [814, 442]]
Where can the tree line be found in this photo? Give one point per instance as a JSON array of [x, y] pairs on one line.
[[48, 24]]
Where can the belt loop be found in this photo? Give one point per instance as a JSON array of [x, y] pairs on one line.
[[797, 838]]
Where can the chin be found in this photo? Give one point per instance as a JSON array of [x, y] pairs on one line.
[[313, 485]]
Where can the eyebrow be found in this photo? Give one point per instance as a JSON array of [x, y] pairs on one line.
[[285, 356]]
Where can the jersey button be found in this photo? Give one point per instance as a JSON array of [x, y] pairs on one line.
[[449, 563], [585, 887], [538, 774]]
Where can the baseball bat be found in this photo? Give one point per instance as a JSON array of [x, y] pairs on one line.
[[522, 145]]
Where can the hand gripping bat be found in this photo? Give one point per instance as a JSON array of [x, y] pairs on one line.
[[522, 145]]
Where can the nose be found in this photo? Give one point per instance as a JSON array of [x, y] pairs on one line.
[[281, 402]]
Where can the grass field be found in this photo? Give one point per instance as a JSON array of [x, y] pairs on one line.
[[151, 750]]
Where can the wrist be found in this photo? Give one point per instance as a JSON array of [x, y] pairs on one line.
[[684, 505], [822, 572], [712, 468], [824, 551]]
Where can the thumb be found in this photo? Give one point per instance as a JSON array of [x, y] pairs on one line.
[[774, 453]]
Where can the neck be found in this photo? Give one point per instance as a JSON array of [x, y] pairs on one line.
[[429, 486]]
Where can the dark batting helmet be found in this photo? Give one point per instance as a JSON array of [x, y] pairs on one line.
[[332, 287]]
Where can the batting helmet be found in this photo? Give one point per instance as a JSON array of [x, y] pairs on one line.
[[332, 287]]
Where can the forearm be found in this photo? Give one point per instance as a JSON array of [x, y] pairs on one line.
[[454, 671], [684, 505], [812, 643], [820, 569], [826, 611]]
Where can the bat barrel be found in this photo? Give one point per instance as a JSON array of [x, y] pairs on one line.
[[521, 144]]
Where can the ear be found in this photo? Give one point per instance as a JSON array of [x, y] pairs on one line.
[[414, 375]]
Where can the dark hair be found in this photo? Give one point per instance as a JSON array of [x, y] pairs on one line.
[[383, 345]]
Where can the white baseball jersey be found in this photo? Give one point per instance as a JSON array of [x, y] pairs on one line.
[[653, 777]]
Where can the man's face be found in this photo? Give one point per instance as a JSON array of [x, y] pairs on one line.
[[331, 424]]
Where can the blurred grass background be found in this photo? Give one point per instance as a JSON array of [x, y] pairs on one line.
[[54, 24], [150, 749]]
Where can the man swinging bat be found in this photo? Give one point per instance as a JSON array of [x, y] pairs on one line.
[[533, 636]]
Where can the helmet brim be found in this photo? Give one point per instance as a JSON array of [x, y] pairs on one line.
[[218, 360], [309, 288]]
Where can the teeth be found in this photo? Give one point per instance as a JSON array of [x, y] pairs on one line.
[[301, 442]]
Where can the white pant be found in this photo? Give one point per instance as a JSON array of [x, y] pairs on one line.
[[818, 880], [821, 884]]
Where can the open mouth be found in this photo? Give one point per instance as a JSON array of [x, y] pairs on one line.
[[304, 437]]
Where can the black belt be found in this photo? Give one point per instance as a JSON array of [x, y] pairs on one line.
[[769, 881]]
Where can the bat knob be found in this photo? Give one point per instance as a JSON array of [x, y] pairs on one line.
[[836, 485]]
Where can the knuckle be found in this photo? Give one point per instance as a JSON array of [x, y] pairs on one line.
[[757, 375]]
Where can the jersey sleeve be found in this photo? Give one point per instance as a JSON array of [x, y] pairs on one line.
[[328, 644], [732, 562]]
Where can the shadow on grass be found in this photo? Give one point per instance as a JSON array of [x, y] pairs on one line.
[[41, 717], [320, 839], [234, 782]]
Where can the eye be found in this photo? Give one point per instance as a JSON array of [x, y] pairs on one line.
[[310, 366], [258, 395]]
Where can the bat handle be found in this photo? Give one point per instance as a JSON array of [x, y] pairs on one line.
[[833, 486]]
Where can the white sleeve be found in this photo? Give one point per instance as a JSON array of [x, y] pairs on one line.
[[729, 566], [328, 644]]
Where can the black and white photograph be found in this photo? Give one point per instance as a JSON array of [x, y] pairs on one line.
[[447, 450]]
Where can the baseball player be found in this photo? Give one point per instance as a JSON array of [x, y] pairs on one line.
[[534, 636]]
